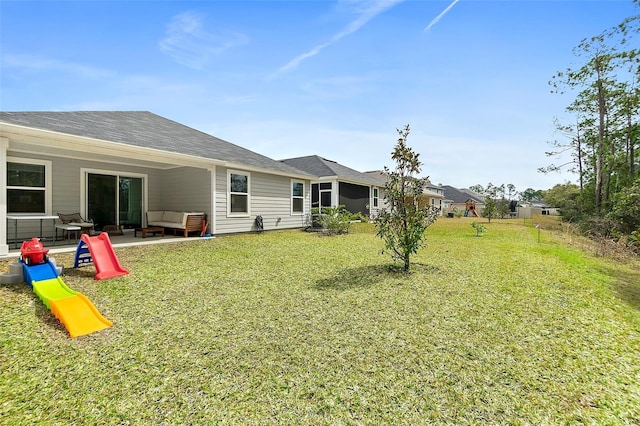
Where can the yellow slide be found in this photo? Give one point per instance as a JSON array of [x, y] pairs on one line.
[[73, 309], [79, 315]]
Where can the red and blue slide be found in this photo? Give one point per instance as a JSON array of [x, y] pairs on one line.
[[99, 251]]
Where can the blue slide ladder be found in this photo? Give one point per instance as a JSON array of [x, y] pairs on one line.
[[83, 255]]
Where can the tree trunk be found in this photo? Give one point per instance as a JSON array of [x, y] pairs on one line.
[[580, 170], [600, 149], [630, 146]]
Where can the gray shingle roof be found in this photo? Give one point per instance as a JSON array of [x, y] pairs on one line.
[[322, 167], [144, 129], [459, 196]]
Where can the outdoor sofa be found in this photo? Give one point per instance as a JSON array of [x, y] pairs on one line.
[[177, 221]]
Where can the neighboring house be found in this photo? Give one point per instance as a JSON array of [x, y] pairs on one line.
[[115, 166], [432, 194], [462, 199], [535, 207], [435, 196], [340, 185]]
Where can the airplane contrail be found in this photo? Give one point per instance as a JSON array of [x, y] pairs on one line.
[[373, 10], [437, 18]]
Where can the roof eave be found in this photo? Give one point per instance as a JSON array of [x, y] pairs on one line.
[[41, 137]]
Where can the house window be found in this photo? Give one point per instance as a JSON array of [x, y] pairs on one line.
[[238, 190], [375, 197], [297, 197], [27, 190]]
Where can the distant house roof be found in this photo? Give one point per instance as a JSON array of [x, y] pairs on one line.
[[144, 129], [323, 168], [460, 195], [429, 189], [474, 194], [539, 204]]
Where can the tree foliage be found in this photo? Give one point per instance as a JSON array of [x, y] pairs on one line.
[[602, 137], [498, 199], [626, 209], [565, 197], [402, 223]]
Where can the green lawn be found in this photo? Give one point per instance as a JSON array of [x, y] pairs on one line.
[[295, 328]]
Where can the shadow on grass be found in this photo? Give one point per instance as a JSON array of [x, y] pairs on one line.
[[627, 286], [86, 271], [40, 310], [369, 276]]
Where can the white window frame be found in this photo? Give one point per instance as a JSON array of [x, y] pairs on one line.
[[298, 197], [375, 194], [229, 193], [47, 185]]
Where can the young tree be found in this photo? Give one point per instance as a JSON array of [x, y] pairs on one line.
[[490, 209], [402, 223]]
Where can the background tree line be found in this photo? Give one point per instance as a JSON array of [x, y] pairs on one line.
[[602, 135]]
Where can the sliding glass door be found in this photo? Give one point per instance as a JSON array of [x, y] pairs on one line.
[[130, 202], [114, 200]]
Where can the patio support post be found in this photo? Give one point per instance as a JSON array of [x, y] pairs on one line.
[[213, 217], [4, 247]]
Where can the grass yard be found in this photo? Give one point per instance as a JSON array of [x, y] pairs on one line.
[[294, 328]]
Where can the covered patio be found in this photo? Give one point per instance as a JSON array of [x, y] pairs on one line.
[[127, 239]]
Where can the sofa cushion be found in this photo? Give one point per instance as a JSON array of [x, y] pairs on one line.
[[171, 216], [154, 216]]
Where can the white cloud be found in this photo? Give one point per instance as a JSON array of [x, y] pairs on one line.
[[191, 44], [41, 64]]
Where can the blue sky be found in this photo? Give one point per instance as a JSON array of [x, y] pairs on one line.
[[332, 78]]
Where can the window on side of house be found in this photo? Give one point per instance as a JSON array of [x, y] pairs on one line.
[[297, 197], [238, 184], [27, 186], [375, 197]]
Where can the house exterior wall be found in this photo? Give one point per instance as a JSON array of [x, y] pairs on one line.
[[186, 189], [382, 202], [269, 197], [529, 212]]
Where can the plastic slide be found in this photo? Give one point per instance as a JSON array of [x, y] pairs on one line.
[[52, 289], [79, 315], [40, 272], [104, 258], [73, 309]]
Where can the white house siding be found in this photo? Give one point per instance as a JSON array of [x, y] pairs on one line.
[[382, 202], [186, 189], [270, 197]]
